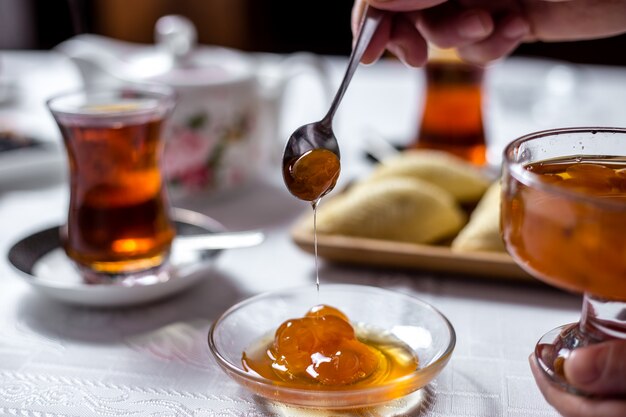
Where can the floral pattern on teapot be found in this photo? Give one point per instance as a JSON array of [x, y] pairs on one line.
[[198, 152]]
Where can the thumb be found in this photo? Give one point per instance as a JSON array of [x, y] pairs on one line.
[[599, 368]]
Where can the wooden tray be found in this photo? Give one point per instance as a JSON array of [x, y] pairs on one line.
[[385, 253]]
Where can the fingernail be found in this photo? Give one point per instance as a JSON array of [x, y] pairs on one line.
[[399, 52], [474, 26], [516, 28]]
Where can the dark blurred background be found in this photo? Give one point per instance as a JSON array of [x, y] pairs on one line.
[[320, 26]]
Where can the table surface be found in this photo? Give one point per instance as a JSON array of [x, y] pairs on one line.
[[153, 360]]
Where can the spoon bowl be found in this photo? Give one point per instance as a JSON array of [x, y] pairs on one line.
[[302, 146], [317, 135], [311, 161]]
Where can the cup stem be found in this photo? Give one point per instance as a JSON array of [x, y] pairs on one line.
[[602, 319]]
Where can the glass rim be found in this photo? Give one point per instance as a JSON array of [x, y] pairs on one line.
[[165, 98], [529, 178]]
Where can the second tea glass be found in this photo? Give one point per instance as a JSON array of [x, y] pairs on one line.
[[563, 219], [118, 223]]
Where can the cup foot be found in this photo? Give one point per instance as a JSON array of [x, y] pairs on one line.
[[554, 348], [148, 276]]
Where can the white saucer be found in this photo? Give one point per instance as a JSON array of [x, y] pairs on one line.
[[43, 263], [8, 90], [42, 161]]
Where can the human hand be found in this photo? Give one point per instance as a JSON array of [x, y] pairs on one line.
[[598, 369], [485, 30]]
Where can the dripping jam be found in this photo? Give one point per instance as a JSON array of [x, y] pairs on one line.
[[322, 349]]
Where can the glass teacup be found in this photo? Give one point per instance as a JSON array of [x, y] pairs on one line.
[[118, 221], [564, 221]]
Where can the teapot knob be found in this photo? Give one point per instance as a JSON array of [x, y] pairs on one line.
[[177, 35]]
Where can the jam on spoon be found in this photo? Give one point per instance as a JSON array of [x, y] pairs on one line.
[[312, 175]]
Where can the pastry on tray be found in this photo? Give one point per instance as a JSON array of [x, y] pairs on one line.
[[482, 232], [419, 196], [399, 209], [466, 182]]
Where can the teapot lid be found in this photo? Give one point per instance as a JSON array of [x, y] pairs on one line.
[[206, 66], [177, 61]]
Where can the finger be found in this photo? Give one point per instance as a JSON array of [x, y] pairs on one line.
[[598, 369], [404, 5], [507, 35], [446, 26], [570, 405], [407, 43], [379, 41], [357, 15]]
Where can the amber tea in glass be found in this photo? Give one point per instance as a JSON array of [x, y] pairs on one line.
[[564, 220], [118, 220], [452, 115]]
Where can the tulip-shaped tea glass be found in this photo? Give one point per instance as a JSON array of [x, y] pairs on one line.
[[118, 225], [564, 221]]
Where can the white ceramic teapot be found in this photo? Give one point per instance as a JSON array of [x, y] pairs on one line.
[[224, 130]]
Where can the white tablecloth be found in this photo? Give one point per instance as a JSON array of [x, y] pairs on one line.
[[58, 360]]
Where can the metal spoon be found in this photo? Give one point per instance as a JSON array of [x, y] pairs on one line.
[[221, 240], [320, 134]]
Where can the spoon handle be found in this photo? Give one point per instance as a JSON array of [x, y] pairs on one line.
[[224, 240], [371, 19]]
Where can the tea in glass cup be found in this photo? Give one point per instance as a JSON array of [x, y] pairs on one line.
[[452, 116], [563, 219], [118, 221]]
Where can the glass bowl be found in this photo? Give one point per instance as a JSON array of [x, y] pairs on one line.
[[424, 330]]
